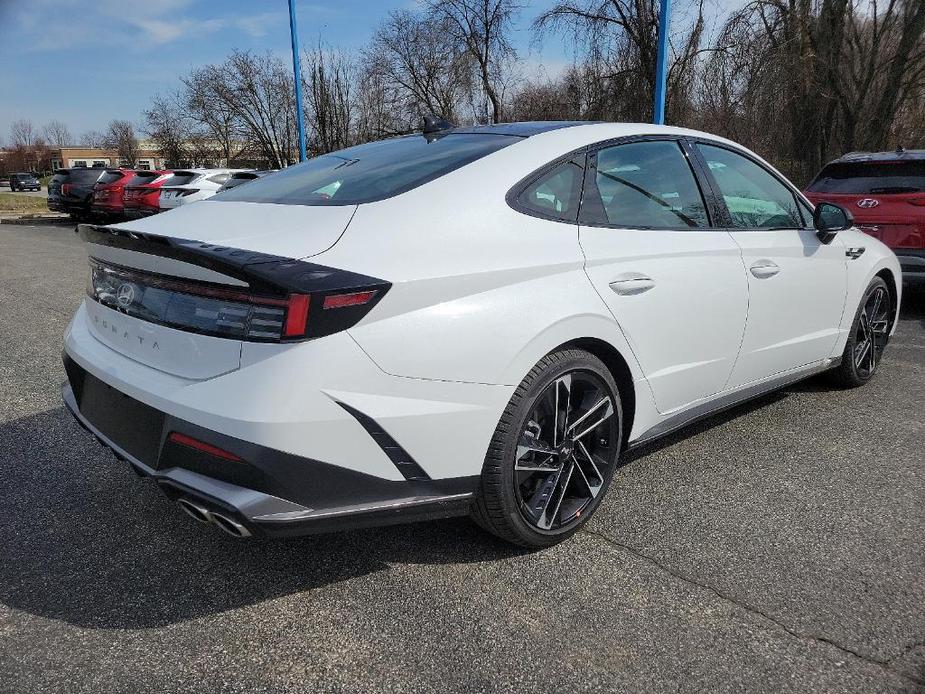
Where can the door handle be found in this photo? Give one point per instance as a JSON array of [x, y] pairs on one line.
[[764, 269], [630, 283]]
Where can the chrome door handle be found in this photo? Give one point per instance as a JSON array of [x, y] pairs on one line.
[[764, 269], [630, 283]]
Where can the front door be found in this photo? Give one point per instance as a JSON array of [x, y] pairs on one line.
[[674, 285], [796, 283]]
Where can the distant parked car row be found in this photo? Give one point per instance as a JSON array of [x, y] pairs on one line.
[[111, 195]]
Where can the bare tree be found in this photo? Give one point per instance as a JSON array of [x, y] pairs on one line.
[[422, 58], [120, 136], [620, 39], [94, 139], [168, 124], [56, 134], [248, 101], [330, 98], [22, 134], [482, 26]]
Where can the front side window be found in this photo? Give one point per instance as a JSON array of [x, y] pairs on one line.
[[369, 172], [556, 193], [645, 185], [754, 197]]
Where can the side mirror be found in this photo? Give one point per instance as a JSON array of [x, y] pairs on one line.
[[829, 219]]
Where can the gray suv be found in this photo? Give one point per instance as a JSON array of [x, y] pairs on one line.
[[24, 181]]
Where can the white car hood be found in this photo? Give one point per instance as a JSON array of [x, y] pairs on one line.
[[290, 231]]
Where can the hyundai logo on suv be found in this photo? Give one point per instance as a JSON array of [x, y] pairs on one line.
[[867, 203]]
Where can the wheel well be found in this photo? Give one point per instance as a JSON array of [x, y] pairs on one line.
[[620, 371], [887, 277]]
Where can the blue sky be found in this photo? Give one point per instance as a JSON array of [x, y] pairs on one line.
[[85, 62]]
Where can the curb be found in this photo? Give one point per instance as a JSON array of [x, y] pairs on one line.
[[37, 220]]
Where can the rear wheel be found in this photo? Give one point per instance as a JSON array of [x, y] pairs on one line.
[[868, 337], [554, 451]]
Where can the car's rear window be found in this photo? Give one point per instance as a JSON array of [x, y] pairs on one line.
[[181, 178], [862, 178], [80, 175], [369, 172], [141, 179], [111, 177]]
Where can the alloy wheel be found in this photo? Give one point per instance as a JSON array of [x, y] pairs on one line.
[[870, 335], [566, 450]]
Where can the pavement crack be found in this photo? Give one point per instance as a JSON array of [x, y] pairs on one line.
[[883, 663]]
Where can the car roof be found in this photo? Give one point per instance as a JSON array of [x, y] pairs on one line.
[[896, 155], [521, 128]]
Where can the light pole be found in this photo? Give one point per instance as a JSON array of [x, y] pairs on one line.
[[661, 63], [297, 74]]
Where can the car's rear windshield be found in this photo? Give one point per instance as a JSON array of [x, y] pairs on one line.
[[111, 177], [862, 178], [369, 172], [181, 178], [79, 175], [142, 178]]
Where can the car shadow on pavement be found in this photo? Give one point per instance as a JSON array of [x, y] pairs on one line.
[[86, 541]]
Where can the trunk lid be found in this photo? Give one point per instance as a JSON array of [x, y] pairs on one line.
[[896, 219], [233, 248]]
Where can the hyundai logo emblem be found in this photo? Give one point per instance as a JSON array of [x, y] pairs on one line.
[[125, 295], [867, 203]]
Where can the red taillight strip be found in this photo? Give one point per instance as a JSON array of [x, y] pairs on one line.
[[343, 300], [190, 442]]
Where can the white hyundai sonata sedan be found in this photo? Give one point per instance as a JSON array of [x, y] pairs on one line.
[[467, 321]]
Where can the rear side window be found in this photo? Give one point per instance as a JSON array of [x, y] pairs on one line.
[[555, 194], [862, 178], [754, 197], [369, 172], [644, 185]]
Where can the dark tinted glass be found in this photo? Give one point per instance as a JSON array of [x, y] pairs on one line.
[[79, 175], [140, 179], [754, 197], [181, 178], [111, 177], [556, 194], [862, 178], [645, 184], [374, 171]]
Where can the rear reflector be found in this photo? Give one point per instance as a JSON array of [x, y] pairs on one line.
[[297, 315], [190, 442], [354, 299]]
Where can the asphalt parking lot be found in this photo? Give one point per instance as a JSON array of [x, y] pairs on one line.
[[777, 547]]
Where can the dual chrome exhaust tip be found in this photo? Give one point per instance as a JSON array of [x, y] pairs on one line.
[[203, 515]]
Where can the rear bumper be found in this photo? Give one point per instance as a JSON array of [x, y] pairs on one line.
[[140, 212], [256, 491], [912, 263]]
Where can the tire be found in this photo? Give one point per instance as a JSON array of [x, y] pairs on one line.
[[862, 353], [569, 461]]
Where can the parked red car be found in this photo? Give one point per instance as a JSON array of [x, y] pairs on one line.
[[885, 191], [142, 193], [107, 201]]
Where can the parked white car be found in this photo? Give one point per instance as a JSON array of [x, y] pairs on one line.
[[475, 320], [191, 185]]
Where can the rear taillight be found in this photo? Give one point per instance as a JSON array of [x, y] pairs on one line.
[[233, 313], [66, 188], [918, 202]]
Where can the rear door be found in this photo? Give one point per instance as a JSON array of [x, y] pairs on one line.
[[675, 285], [796, 283]]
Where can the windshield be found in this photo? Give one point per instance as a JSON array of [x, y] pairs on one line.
[[862, 178], [369, 172]]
